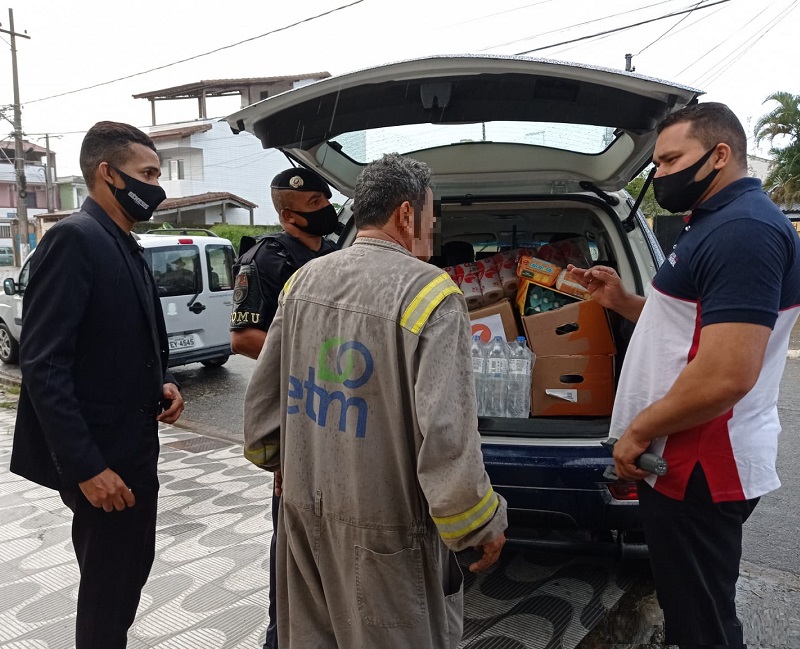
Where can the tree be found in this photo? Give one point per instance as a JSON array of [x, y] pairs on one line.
[[783, 122], [649, 206]]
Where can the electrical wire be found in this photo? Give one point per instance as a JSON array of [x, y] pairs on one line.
[[197, 56], [669, 30], [498, 13], [725, 37], [561, 30], [616, 29], [745, 47]]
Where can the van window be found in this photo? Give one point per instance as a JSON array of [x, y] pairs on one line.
[[23, 277], [176, 269], [220, 261]]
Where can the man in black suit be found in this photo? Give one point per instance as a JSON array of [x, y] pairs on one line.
[[93, 354]]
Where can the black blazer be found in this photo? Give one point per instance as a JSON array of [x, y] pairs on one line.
[[93, 354]]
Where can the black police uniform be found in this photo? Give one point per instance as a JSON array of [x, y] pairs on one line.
[[262, 272]]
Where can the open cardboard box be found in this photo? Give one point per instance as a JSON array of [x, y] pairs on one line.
[[572, 386], [495, 320], [580, 328]]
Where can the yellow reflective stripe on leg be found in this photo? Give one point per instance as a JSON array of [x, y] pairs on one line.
[[458, 525], [261, 456], [418, 312]]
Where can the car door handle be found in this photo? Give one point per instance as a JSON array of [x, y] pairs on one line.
[[197, 307]]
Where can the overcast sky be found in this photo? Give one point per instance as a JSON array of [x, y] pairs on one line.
[[738, 52]]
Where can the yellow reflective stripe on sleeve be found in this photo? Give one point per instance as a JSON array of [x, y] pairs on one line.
[[435, 301], [260, 456], [417, 313], [458, 525]]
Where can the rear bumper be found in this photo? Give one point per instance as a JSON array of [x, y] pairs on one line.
[[197, 355], [556, 483]]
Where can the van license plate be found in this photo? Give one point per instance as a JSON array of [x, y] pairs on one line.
[[181, 342]]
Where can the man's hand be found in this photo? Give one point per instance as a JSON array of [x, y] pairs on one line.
[[605, 287], [171, 393], [107, 490], [277, 487], [491, 553], [626, 451]]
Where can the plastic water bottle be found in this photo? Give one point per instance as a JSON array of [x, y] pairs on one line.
[[520, 364], [478, 354], [494, 404]]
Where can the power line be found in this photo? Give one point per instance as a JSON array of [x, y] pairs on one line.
[[498, 13], [197, 56], [561, 30], [670, 29], [724, 65], [619, 29]]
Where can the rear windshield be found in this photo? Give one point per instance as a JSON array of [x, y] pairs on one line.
[[176, 269], [369, 145]]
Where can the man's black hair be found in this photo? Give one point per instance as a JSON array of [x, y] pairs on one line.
[[109, 142], [712, 123]]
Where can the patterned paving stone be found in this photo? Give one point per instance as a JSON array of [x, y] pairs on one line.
[[207, 588]]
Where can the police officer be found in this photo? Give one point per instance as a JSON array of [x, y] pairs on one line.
[[302, 199]]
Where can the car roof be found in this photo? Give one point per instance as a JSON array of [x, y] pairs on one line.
[[164, 240]]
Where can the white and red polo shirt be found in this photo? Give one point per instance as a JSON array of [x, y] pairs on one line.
[[737, 260]]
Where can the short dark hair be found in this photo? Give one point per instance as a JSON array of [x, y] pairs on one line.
[[712, 123], [386, 184], [109, 142]]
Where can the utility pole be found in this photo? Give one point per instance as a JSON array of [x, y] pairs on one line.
[[19, 160], [48, 180]]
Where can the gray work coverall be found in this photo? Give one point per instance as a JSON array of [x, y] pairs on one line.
[[364, 397]]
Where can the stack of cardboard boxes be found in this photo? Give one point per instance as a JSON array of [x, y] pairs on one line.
[[573, 374]]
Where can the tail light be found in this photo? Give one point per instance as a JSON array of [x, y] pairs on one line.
[[185, 241], [623, 490]]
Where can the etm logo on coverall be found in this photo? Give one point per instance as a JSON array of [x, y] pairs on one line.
[[346, 362]]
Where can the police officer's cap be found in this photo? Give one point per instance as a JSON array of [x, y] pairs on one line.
[[301, 180]]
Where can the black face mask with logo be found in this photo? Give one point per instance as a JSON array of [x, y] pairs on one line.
[[138, 199], [320, 222], [679, 191]]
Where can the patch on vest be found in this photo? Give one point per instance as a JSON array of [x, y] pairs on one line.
[[241, 288]]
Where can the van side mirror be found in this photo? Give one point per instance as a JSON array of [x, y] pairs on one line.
[[9, 286]]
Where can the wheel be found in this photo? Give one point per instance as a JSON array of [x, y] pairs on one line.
[[215, 362], [9, 348]]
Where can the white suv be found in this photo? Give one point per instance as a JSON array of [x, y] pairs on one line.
[[192, 270], [525, 153]]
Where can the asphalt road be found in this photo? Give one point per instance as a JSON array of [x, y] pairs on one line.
[[214, 406]]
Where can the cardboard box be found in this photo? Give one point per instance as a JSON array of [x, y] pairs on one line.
[[495, 320], [572, 386], [548, 298], [580, 328]]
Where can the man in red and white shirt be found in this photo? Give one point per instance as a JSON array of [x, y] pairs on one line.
[[701, 375]]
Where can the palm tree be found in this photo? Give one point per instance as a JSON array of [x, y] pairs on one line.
[[783, 180]]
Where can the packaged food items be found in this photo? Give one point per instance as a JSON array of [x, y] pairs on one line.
[[566, 283], [538, 270], [533, 298], [471, 288], [491, 286], [574, 250]]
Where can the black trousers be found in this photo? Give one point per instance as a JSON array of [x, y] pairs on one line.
[[695, 548], [271, 641], [115, 551]]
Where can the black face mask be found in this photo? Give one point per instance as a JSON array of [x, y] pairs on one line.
[[138, 199], [679, 192], [320, 222]]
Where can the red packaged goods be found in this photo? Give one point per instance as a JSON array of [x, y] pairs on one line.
[[471, 288], [491, 286]]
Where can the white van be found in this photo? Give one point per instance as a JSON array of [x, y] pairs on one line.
[[192, 270]]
